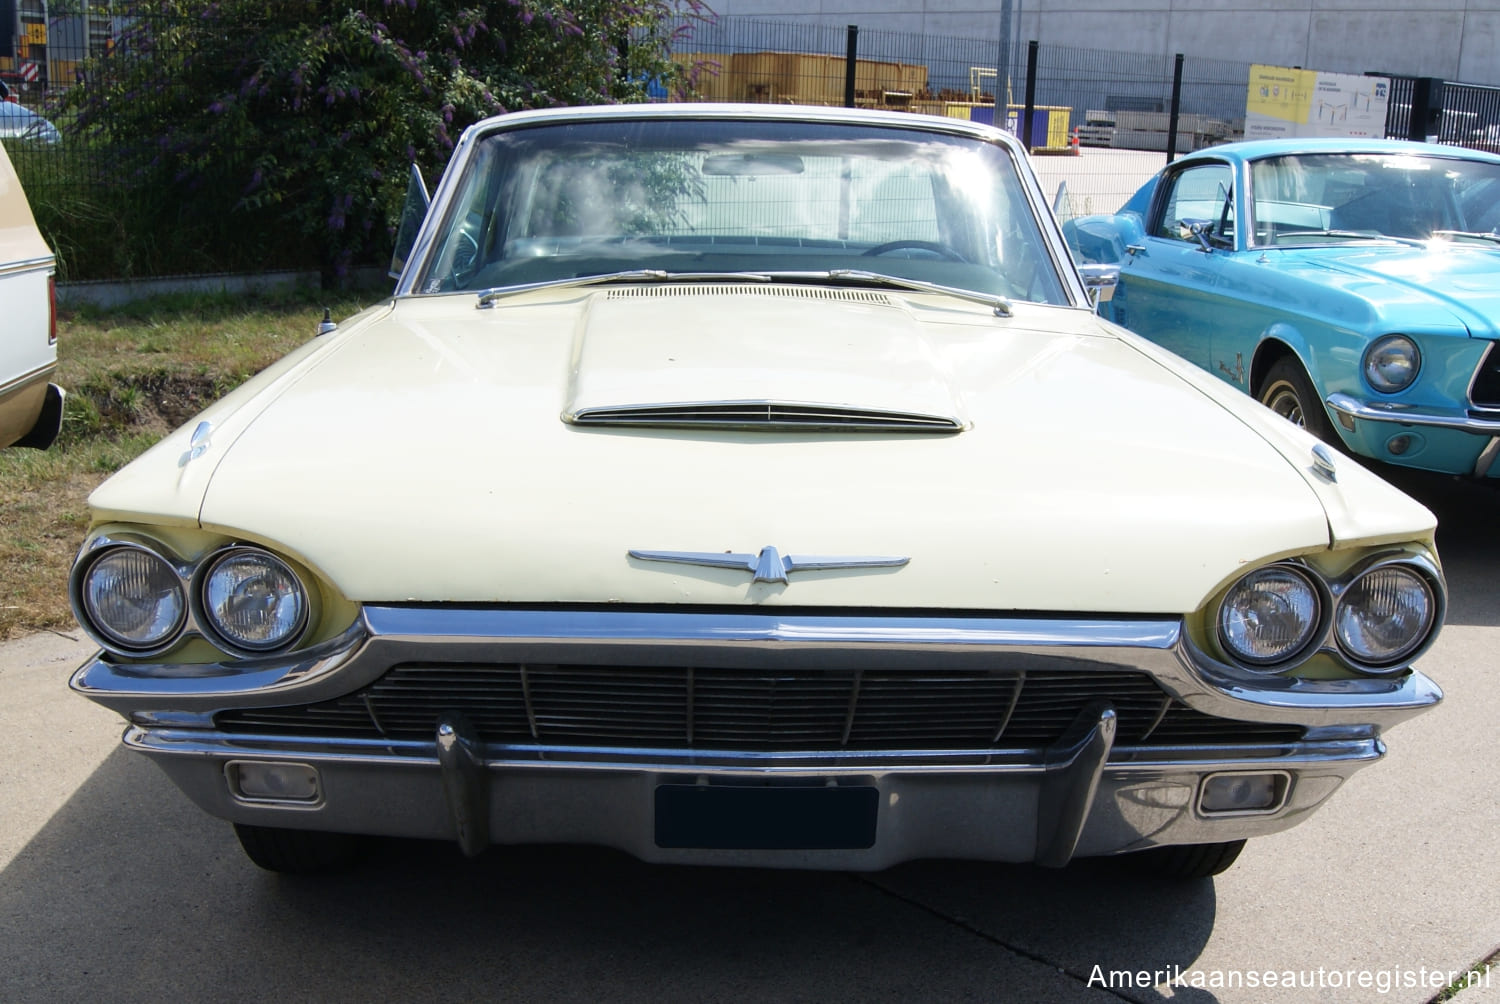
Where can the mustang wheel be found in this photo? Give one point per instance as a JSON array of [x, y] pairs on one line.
[[299, 852], [1188, 861], [1289, 393]]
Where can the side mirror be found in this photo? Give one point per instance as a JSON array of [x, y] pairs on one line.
[[1100, 281], [413, 212]]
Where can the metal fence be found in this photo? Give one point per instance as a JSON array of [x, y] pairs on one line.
[[1062, 99]]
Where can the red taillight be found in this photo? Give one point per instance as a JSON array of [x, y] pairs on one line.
[[51, 310]]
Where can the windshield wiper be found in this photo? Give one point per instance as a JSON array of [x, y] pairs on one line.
[[1492, 236], [489, 296], [1357, 235], [999, 304]]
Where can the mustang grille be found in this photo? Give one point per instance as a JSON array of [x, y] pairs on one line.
[[1486, 392], [754, 710], [766, 415]]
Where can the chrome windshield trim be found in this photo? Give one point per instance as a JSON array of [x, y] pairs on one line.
[[1404, 415], [391, 635]]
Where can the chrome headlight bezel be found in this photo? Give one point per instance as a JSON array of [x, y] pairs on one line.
[[1404, 653], [212, 624], [86, 610], [1398, 352], [1335, 592], [190, 579], [1315, 628]]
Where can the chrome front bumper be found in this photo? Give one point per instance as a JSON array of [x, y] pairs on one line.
[[1085, 793]]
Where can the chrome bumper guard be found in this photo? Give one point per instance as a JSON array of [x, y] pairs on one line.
[[1085, 794]]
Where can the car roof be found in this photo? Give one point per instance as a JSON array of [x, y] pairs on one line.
[[762, 112], [1257, 149]]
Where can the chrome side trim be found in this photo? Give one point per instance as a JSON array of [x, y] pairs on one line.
[[47, 264], [1406, 415]]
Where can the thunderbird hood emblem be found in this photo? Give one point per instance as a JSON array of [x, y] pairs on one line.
[[769, 565]]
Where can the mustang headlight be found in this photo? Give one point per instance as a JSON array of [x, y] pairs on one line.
[[1269, 616], [133, 598], [253, 600], [1391, 363], [1385, 615]]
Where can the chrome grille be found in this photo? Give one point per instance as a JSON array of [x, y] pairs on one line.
[[754, 710], [1486, 390]]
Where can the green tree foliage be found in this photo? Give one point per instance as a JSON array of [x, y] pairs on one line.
[[297, 118]]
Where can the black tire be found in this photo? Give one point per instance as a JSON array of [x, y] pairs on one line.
[[299, 852], [1188, 861], [1288, 392]]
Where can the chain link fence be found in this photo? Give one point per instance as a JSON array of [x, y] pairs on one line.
[[1123, 114]]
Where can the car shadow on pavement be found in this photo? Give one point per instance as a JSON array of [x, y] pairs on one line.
[[1467, 543], [130, 892]]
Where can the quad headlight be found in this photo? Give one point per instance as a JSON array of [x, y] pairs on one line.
[[133, 598], [1270, 616], [1374, 618], [253, 600], [137, 599], [1392, 363], [1384, 615]]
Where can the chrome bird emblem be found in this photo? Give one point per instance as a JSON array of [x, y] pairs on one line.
[[769, 565]]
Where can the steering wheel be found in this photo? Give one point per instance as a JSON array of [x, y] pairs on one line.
[[941, 250]]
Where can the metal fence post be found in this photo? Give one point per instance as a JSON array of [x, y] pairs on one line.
[[1031, 51], [851, 59], [1176, 109]]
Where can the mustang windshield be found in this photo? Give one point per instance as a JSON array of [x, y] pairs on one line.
[[560, 202], [1335, 197]]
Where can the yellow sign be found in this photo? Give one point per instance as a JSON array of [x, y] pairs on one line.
[[1281, 93], [36, 34]]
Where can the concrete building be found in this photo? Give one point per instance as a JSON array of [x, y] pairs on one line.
[[1453, 39]]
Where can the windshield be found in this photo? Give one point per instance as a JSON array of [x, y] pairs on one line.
[[1326, 197], [556, 202]]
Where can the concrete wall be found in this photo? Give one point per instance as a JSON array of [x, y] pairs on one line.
[[1453, 39]]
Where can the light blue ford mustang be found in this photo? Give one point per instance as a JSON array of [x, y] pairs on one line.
[[1353, 286]]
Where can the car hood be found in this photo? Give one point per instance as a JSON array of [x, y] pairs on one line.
[[1406, 285], [425, 453]]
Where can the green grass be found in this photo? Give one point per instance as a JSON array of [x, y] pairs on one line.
[[132, 374]]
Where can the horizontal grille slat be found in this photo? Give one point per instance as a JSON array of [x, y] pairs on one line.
[[748, 709]]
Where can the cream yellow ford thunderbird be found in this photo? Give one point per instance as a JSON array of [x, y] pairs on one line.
[[751, 486]]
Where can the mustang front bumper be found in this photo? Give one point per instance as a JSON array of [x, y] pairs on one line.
[[1453, 441], [756, 738]]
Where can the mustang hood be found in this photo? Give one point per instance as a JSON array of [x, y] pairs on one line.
[[1462, 280], [432, 453]]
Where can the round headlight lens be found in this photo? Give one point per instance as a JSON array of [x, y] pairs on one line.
[[133, 598], [1385, 615], [1269, 616], [253, 600], [1391, 363]]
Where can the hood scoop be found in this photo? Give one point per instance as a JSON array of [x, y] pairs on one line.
[[765, 416], [740, 356]]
